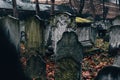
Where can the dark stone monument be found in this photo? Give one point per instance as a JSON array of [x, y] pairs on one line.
[[68, 57], [35, 66]]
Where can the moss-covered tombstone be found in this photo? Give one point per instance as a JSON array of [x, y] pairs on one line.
[[68, 50], [114, 39], [68, 57], [33, 29], [33, 61]]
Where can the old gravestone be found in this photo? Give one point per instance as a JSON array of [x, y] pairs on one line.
[[114, 41], [33, 30], [11, 25], [86, 35], [68, 57], [60, 23], [34, 65], [68, 51], [114, 44]]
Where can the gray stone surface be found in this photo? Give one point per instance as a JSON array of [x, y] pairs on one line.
[[68, 57], [11, 26], [69, 46], [115, 36]]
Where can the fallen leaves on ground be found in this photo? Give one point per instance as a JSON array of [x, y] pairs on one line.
[[92, 64]]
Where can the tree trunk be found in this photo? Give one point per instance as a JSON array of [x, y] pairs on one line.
[[37, 7], [104, 10], [15, 12], [52, 7], [92, 8], [46, 2], [82, 2]]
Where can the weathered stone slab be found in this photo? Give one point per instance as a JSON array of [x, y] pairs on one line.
[[69, 46], [114, 41], [68, 57], [33, 30], [11, 26], [86, 35]]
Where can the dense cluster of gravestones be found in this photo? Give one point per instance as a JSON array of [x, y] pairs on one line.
[[67, 39]]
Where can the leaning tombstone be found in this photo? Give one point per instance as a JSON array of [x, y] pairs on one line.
[[60, 23], [67, 49]]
